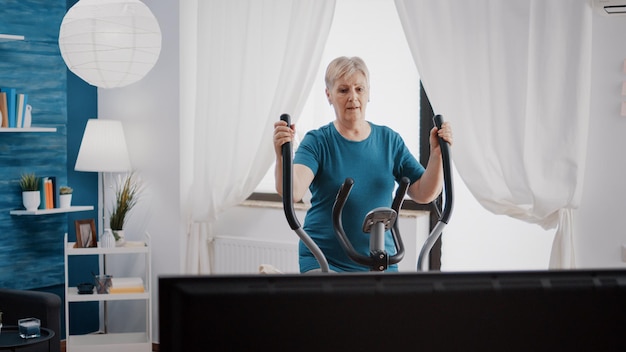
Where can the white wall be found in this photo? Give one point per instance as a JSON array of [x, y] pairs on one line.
[[149, 110]]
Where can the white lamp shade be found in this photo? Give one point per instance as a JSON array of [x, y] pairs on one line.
[[110, 43], [103, 148]]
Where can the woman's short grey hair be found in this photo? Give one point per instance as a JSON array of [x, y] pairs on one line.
[[345, 66]]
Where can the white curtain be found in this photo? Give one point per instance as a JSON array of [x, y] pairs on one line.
[[514, 79], [254, 60]]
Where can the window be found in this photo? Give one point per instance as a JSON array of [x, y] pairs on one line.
[[370, 29], [476, 239]]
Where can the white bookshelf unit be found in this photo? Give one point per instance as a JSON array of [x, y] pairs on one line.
[[104, 341]]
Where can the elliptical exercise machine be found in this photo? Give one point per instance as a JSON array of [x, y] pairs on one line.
[[376, 222]]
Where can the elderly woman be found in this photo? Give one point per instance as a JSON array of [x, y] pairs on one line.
[[350, 146]]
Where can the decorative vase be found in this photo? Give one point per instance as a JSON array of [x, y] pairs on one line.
[[107, 240], [120, 240], [65, 200], [31, 200]]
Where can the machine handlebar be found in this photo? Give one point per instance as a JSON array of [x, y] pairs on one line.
[[447, 173], [290, 214], [368, 261]]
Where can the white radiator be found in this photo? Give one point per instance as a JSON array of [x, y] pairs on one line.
[[238, 255]]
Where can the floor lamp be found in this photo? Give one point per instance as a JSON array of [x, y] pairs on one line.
[[103, 150]]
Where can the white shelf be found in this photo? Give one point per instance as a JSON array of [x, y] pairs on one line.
[[132, 341], [73, 296], [109, 342], [27, 129], [10, 37], [129, 248], [52, 211]]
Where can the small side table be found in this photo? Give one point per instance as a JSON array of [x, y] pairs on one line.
[[10, 338]]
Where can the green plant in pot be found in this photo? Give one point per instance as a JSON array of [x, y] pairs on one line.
[[31, 198], [65, 196], [126, 197], [29, 182]]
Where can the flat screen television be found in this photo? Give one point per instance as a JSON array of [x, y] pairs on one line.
[[491, 311]]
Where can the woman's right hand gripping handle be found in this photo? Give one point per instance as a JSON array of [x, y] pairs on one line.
[[283, 133]]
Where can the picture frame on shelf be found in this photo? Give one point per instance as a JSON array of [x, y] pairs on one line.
[[86, 233]]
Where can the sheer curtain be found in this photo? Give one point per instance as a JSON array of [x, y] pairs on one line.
[[254, 60], [514, 79]]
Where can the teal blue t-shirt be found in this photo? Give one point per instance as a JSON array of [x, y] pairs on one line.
[[375, 164]]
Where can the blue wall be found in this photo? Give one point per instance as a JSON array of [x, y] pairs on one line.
[[82, 104], [31, 247]]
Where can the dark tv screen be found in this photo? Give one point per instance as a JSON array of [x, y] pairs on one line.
[[490, 311]]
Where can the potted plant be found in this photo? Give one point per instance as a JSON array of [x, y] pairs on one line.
[[126, 196], [65, 196], [31, 197]]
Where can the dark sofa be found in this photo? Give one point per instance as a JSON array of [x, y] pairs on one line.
[[45, 306]]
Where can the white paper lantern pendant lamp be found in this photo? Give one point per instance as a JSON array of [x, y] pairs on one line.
[[110, 43]]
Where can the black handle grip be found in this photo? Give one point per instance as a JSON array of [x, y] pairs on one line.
[[447, 173], [400, 193], [340, 201], [344, 191], [287, 150]]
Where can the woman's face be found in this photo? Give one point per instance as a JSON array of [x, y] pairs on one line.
[[349, 97]]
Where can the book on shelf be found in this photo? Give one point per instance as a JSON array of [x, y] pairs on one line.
[[20, 112], [11, 94], [42, 192], [4, 110], [47, 188], [14, 109], [126, 285], [49, 194], [19, 109]]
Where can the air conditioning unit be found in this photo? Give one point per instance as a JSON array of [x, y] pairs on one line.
[[610, 7]]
